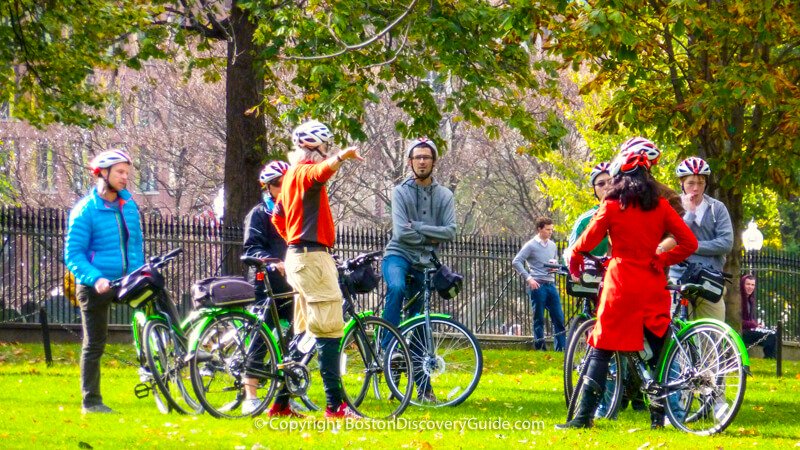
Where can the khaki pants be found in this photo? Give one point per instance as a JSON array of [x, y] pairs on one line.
[[318, 305]]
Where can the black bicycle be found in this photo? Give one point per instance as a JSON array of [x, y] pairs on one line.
[[244, 347]]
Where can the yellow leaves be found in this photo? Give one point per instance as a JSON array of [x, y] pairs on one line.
[[758, 408], [748, 431]]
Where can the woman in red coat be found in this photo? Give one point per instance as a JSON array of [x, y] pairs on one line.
[[634, 303]]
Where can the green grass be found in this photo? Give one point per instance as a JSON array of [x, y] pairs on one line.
[[41, 408]]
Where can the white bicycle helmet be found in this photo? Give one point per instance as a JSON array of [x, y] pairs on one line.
[[272, 171], [641, 145], [311, 135], [421, 141], [693, 166], [108, 158], [602, 167]]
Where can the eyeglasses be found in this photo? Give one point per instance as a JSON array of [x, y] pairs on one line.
[[422, 158], [601, 184]]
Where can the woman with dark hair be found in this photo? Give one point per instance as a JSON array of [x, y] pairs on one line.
[[752, 330], [634, 304]]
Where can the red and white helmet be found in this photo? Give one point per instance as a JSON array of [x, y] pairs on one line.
[[272, 171], [108, 158], [602, 167], [693, 166], [641, 145], [629, 162], [311, 135]]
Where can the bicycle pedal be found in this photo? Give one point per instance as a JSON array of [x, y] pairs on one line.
[[142, 390]]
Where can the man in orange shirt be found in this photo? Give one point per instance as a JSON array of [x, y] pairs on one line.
[[303, 217]]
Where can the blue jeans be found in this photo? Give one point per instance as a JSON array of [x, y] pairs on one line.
[[395, 269], [546, 297]]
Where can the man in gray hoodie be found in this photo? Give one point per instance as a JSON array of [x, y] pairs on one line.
[[710, 222], [423, 216]]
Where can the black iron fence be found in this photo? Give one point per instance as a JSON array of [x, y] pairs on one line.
[[493, 300]]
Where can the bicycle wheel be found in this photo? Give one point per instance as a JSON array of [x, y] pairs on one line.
[[234, 348], [578, 352], [165, 358], [369, 388], [704, 379], [575, 362], [447, 371]]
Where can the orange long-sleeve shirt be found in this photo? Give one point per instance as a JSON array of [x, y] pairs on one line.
[[302, 213]]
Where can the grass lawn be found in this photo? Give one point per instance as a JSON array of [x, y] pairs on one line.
[[41, 406]]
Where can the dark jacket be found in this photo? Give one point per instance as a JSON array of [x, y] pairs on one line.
[[749, 321], [261, 240]]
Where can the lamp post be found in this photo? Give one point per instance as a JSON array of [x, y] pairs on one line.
[[752, 240]]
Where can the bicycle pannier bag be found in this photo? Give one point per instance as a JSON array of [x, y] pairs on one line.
[[222, 291], [447, 282], [711, 280], [139, 286], [363, 279], [589, 284]]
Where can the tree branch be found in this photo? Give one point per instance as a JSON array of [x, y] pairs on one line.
[[349, 48]]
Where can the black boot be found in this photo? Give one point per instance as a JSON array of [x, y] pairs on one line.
[[590, 398], [656, 415]]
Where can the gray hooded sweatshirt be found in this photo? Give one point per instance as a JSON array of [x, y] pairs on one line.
[[714, 237], [422, 217]]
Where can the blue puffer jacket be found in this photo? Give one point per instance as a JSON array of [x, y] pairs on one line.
[[94, 246]]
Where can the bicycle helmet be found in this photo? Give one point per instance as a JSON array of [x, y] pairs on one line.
[[421, 141], [629, 162], [693, 166], [597, 170], [641, 145], [311, 135], [272, 171], [108, 158]]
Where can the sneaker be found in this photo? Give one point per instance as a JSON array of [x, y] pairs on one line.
[[101, 409], [427, 397], [343, 412], [284, 411], [249, 405]]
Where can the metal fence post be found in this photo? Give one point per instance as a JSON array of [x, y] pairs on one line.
[[48, 354], [779, 349]]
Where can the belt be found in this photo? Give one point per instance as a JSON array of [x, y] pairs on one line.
[[544, 282], [307, 248]]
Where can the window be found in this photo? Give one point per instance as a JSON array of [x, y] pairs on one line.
[[77, 167], [46, 167], [7, 155], [148, 183], [144, 108]]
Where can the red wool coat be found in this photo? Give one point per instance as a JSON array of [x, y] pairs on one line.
[[633, 294]]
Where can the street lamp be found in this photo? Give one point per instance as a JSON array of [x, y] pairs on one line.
[[753, 240]]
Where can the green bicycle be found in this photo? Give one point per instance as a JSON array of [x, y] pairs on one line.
[[159, 336]]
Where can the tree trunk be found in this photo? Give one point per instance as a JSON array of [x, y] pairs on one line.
[[245, 132], [733, 305]]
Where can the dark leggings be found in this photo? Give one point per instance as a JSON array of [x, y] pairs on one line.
[[597, 369]]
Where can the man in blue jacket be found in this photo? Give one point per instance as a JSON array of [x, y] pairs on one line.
[[104, 242]]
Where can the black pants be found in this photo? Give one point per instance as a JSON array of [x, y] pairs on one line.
[[597, 369], [769, 343], [94, 323]]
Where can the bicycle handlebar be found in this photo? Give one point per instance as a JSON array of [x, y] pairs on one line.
[[359, 260], [156, 262]]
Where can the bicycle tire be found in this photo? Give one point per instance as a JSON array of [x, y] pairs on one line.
[[371, 385], [165, 359], [233, 341], [707, 366], [575, 362], [450, 385], [572, 327]]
